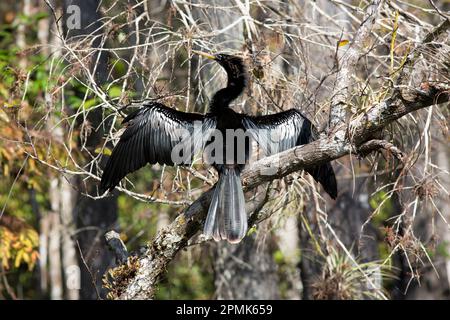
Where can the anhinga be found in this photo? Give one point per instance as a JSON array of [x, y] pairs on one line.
[[153, 131]]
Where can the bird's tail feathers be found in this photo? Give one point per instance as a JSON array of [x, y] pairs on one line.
[[227, 219]]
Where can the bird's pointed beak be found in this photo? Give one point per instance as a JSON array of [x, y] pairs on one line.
[[204, 54]]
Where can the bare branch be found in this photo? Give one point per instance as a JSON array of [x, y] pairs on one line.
[[347, 66], [372, 145]]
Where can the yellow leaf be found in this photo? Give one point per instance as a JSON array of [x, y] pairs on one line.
[[3, 91], [105, 151], [16, 245], [5, 263], [18, 259], [26, 257], [343, 43], [5, 154], [394, 36], [32, 164], [4, 116]]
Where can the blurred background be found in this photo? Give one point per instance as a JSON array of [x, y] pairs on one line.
[[68, 67]]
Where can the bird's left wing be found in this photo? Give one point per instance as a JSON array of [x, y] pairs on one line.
[[284, 130], [156, 134]]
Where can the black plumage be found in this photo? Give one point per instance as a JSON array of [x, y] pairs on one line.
[[154, 130], [290, 128], [151, 134]]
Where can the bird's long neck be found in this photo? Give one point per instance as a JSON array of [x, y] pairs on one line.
[[223, 97]]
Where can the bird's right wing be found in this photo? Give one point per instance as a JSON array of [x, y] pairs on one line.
[[156, 134], [284, 130]]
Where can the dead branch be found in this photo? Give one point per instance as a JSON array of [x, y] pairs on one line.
[[372, 145], [347, 66]]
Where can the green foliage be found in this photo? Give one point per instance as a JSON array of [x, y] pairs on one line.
[[278, 257], [137, 220], [440, 250], [186, 282], [120, 67], [22, 87], [342, 279], [115, 91], [381, 202]]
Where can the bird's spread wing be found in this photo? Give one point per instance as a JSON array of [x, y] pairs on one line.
[[284, 130], [280, 131], [156, 134]]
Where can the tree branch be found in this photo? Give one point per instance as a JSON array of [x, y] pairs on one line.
[[372, 145], [347, 67]]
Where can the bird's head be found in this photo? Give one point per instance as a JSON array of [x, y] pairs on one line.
[[233, 65]]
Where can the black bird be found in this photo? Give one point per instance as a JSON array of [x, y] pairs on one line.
[[154, 130]]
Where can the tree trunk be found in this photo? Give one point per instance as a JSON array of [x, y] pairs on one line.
[[246, 270], [54, 251], [93, 217]]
